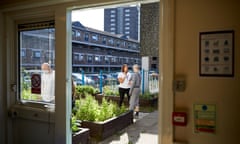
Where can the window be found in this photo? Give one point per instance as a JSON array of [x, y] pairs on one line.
[[127, 32], [104, 40], [86, 36], [78, 34], [112, 20], [23, 53], [127, 28], [97, 59], [129, 45], [81, 57], [112, 24], [127, 10], [127, 19], [73, 33], [90, 58], [112, 11], [127, 24], [112, 15], [112, 28], [95, 37], [127, 15], [36, 73], [36, 54], [110, 41], [76, 56]]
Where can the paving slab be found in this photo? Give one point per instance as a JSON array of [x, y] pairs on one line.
[[143, 131]]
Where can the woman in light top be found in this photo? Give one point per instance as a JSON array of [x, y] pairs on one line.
[[124, 77]]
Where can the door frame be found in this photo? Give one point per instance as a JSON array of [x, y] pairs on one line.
[[166, 53]]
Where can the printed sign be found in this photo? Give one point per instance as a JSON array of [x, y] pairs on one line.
[[36, 83], [204, 118]]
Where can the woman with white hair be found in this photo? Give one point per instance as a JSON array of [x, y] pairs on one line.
[[135, 89]]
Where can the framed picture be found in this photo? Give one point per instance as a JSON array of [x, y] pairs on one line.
[[216, 53]]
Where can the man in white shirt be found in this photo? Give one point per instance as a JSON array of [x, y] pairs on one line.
[[47, 83]]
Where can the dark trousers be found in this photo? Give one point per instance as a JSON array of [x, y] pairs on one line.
[[122, 92]]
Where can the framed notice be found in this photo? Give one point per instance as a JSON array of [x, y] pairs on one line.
[[217, 54], [204, 118]]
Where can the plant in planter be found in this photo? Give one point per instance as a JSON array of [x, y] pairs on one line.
[[104, 119], [108, 91], [82, 91], [80, 135]]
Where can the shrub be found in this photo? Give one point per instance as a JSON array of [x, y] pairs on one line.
[[108, 91], [83, 90], [89, 109]]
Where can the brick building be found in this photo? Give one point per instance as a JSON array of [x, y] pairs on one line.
[[92, 50]]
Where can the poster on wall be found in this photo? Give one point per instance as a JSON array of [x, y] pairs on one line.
[[36, 84], [217, 53], [204, 118]]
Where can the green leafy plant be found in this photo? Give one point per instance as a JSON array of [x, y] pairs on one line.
[[108, 91], [147, 95], [89, 109], [83, 90], [75, 124]]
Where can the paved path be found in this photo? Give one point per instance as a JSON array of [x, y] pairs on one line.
[[143, 131]]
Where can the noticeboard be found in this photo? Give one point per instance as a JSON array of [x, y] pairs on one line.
[[204, 118]]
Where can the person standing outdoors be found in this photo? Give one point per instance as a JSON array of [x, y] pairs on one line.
[[47, 83], [124, 86], [135, 90]]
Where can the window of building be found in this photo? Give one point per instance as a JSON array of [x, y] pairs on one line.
[[118, 43], [127, 15], [154, 58], [23, 53], [95, 37], [36, 54], [127, 28], [90, 58], [106, 58], [127, 24], [112, 28], [104, 40], [127, 19], [76, 56], [127, 32], [112, 24], [35, 85], [112, 20], [129, 45], [73, 33], [97, 58], [112, 11], [81, 57], [127, 10], [110, 41], [86, 36], [78, 34], [112, 15]]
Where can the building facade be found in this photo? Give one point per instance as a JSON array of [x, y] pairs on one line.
[[122, 20], [92, 50]]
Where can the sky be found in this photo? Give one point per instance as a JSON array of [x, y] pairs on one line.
[[93, 18]]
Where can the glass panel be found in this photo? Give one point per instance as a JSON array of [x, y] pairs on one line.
[[37, 62]]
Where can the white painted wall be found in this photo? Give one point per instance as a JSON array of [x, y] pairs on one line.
[[191, 18]]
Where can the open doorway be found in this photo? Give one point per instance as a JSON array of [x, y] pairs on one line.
[[104, 39]]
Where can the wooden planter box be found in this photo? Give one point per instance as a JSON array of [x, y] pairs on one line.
[[102, 130], [81, 137], [142, 102]]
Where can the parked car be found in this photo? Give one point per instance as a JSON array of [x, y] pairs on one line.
[[78, 79]]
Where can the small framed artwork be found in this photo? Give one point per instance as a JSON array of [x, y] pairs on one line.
[[216, 53]]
